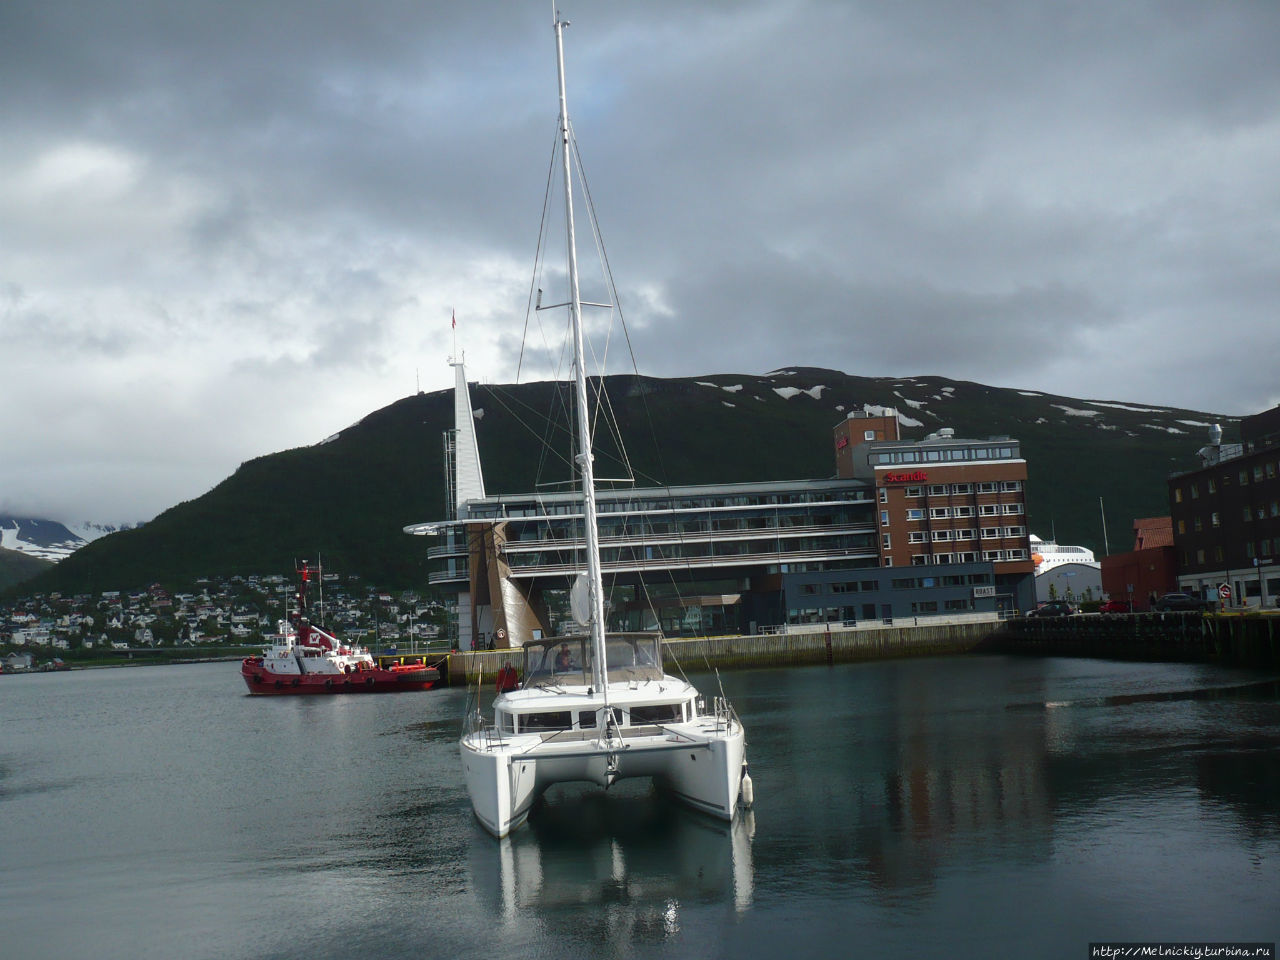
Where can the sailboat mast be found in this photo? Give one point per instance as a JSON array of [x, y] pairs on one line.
[[586, 470]]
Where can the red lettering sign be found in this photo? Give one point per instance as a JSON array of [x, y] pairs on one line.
[[915, 476]]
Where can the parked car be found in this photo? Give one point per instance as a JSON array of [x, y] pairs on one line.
[[1054, 608], [1116, 606], [1179, 602]]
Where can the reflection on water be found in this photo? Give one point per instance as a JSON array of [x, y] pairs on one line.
[[635, 851], [905, 803]]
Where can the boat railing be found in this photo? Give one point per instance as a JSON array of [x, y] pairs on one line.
[[725, 716]]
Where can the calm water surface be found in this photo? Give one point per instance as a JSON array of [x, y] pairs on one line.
[[961, 807]]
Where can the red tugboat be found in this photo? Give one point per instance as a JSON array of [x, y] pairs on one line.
[[303, 658]]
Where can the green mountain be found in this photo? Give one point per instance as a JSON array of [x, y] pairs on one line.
[[347, 499], [16, 567]]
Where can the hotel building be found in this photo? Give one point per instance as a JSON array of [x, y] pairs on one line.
[[745, 557]]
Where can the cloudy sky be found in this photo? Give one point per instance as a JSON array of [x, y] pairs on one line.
[[231, 228]]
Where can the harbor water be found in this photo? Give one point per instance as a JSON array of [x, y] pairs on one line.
[[970, 806]]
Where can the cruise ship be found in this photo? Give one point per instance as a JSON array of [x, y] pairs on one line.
[[1047, 554]]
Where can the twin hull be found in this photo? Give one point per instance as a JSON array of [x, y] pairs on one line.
[[700, 762]]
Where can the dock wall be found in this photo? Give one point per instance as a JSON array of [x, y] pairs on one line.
[[774, 650], [1251, 640]]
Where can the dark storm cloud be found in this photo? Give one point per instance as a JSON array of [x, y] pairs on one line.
[[224, 200]]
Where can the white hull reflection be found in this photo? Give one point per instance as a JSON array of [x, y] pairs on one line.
[[639, 849]]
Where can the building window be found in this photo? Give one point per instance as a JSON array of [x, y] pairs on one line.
[[915, 491], [1182, 526], [884, 518], [1244, 478], [941, 535], [967, 534], [884, 540], [1197, 524], [1249, 549], [992, 555], [1215, 519], [924, 606], [915, 536], [1212, 484], [989, 509], [1264, 548], [1013, 508], [1257, 473], [965, 604], [988, 487], [962, 511], [1200, 557], [1271, 470], [868, 434], [1016, 554], [884, 494], [1015, 531], [942, 558], [1248, 514], [918, 560], [1195, 491], [915, 513], [1011, 486], [939, 513], [962, 488], [1218, 554], [967, 556], [937, 490], [1275, 508], [1177, 494], [990, 533]]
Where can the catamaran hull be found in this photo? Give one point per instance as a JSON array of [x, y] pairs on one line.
[[505, 780]]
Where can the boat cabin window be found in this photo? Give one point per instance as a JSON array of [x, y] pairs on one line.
[[557, 720], [634, 656], [506, 723], [560, 660], [587, 718], [658, 713]]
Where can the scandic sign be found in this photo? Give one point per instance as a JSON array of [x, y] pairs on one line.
[[915, 476]]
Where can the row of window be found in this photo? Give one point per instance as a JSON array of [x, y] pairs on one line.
[[967, 556], [941, 536], [946, 513], [640, 554], [572, 507], [931, 606], [1261, 550], [952, 489], [1247, 514], [951, 580], [1258, 473], [946, 455]]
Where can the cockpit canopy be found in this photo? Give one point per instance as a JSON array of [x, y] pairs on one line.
[[565, 661]]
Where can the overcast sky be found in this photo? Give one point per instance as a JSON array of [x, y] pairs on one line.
[[230, 228]]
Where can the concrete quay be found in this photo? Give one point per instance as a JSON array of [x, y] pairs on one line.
[[816, 645]]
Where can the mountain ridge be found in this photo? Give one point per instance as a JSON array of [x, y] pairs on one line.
[[348, 497]]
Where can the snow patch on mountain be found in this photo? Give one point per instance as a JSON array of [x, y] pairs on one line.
[[1074, 412], [1125, 406], [786, 393]]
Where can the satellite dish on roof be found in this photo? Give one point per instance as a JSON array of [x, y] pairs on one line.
[[580, 600]]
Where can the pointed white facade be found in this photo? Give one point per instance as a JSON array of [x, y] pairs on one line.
[[468, 477]]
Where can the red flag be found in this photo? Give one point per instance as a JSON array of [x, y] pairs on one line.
[[455, 319]]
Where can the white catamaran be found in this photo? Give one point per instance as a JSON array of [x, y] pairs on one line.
[[597, 708]]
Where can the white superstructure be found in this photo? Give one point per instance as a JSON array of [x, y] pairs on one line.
[[1047, 554]]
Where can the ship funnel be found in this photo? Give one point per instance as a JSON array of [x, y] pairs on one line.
[[1215, 434]]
